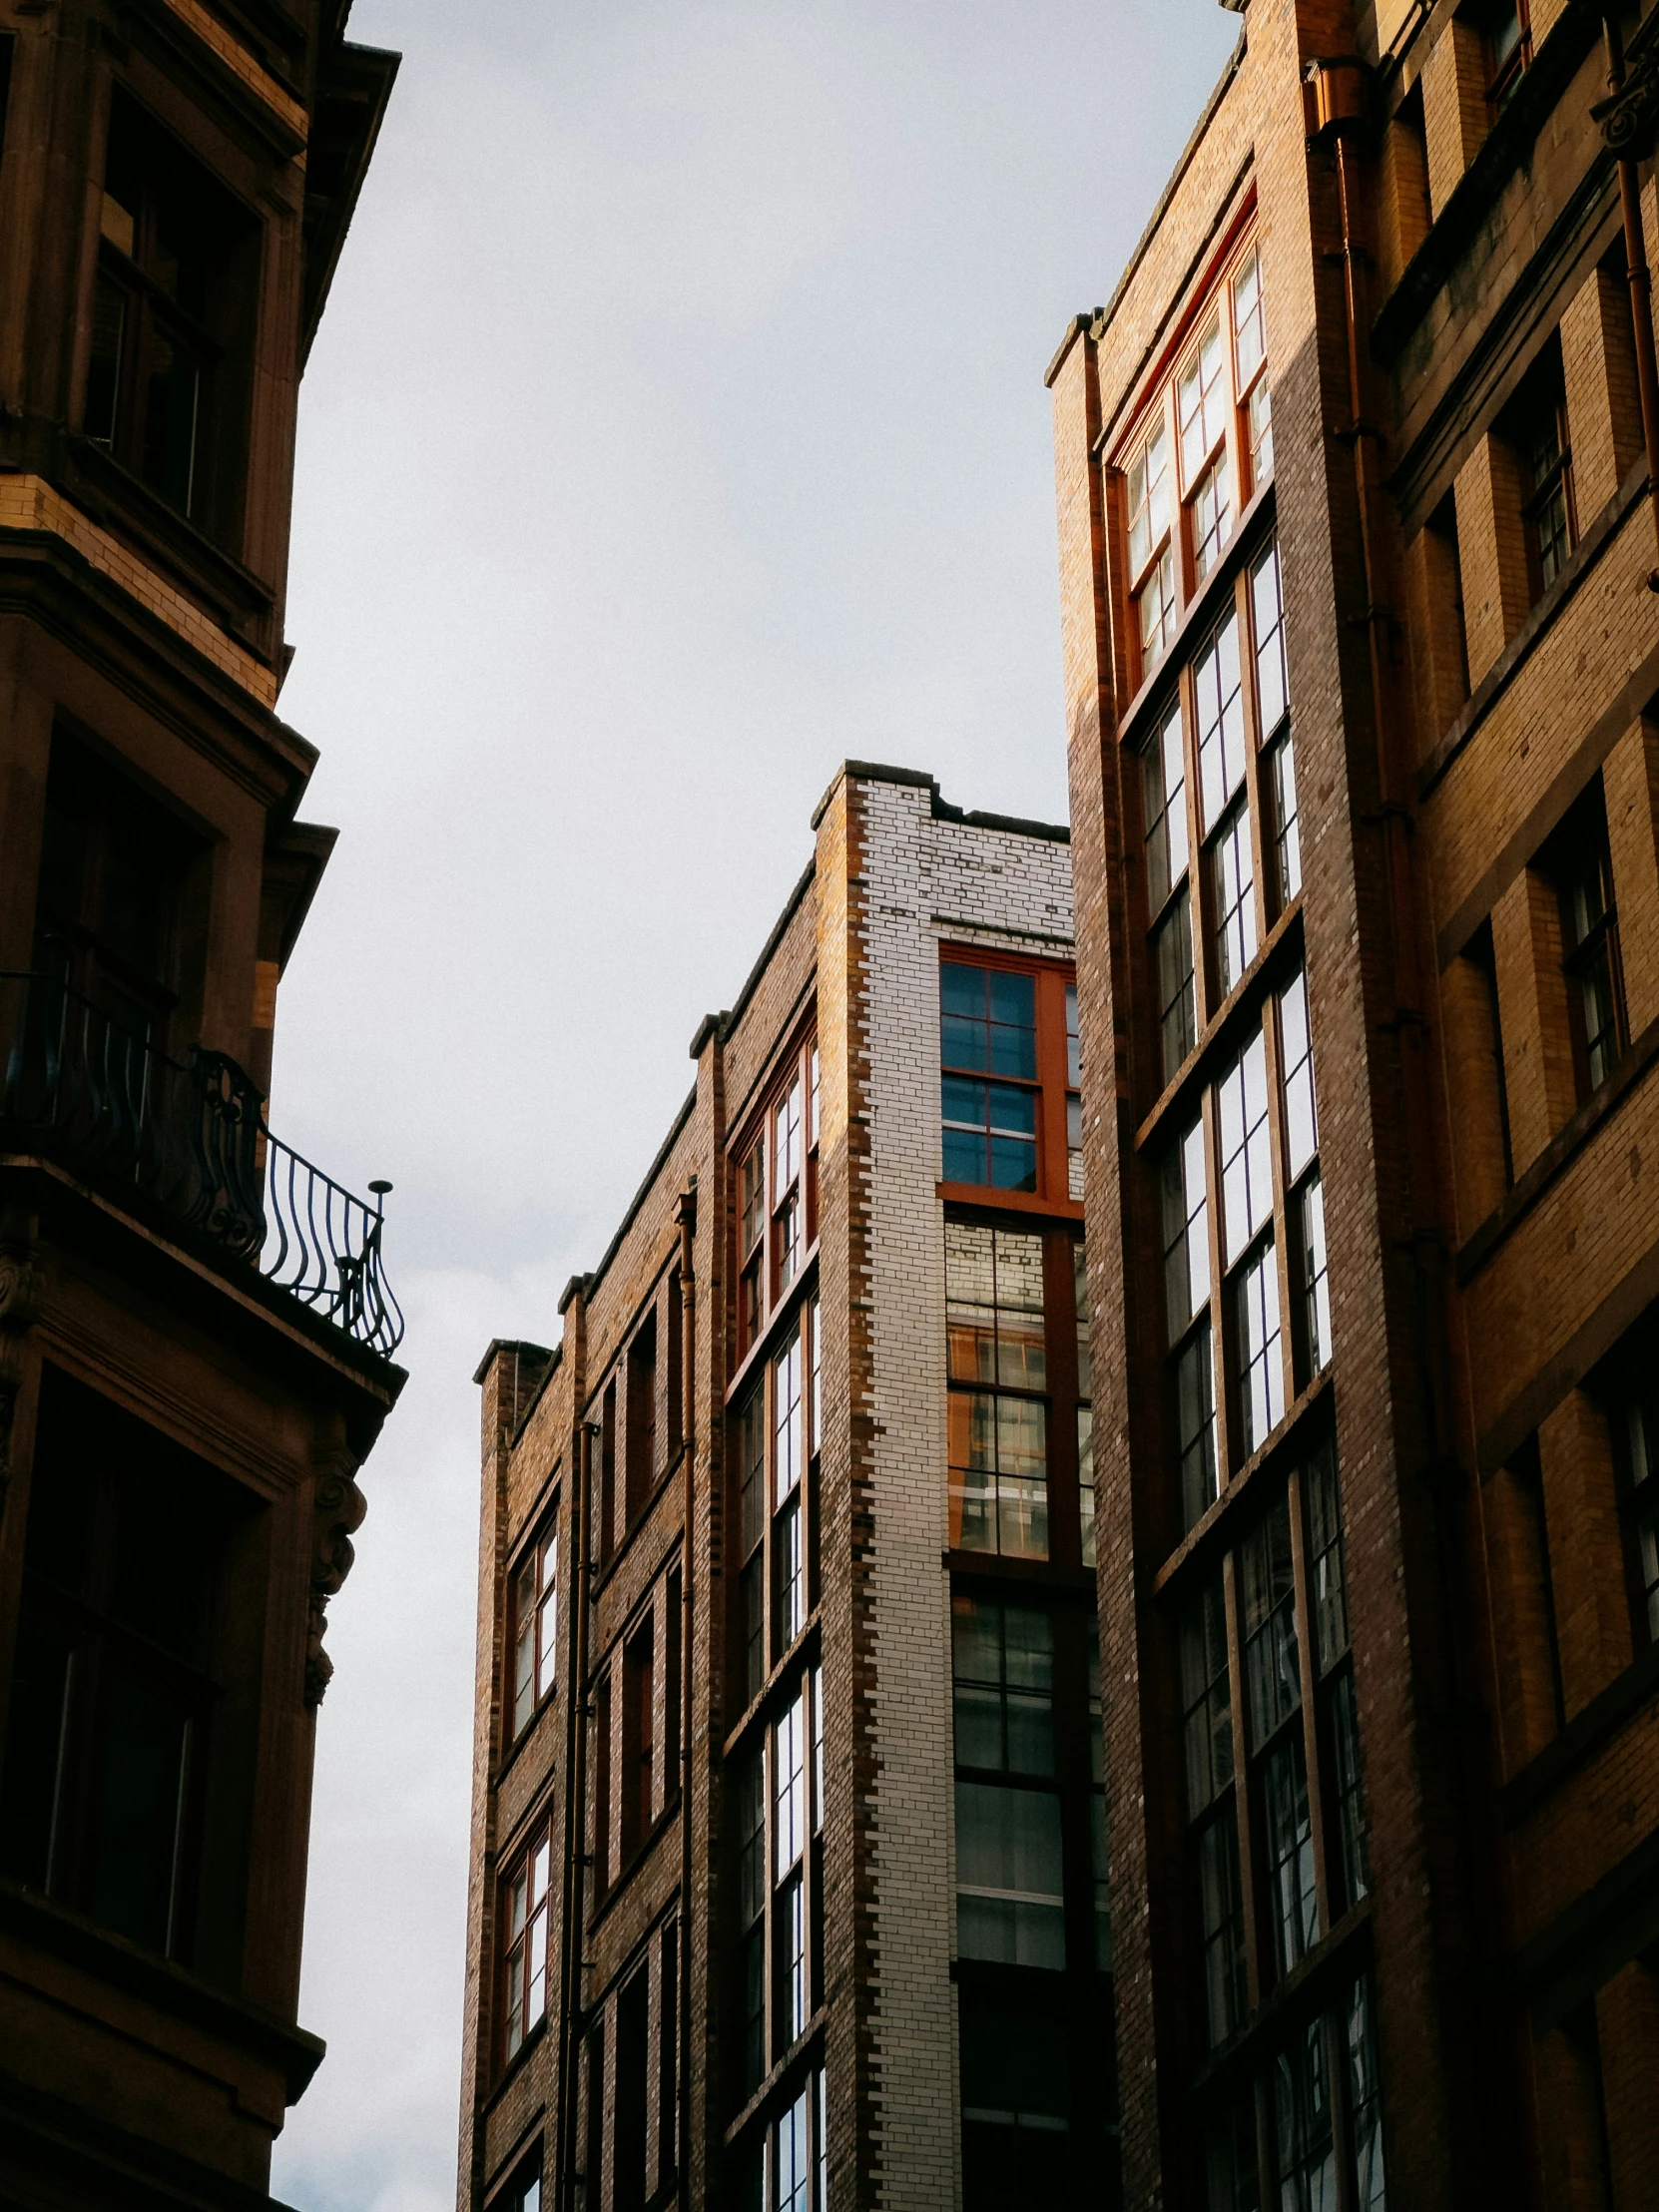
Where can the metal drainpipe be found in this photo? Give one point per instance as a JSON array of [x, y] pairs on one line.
[[571, 1934], [1636, 271], [687, 1216]]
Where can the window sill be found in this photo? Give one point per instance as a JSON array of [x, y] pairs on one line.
[[995, 1566], [1257, 984], [1307, 1987], [634, 1864], [515, 2065], [112, 495], [986, 1195], [1583, 1735], [778, 1325], [1215, 1531], [1203, 606], [798, 2052], [40, 1924], [641, 1521], [764, 1697], [1556, 1157]]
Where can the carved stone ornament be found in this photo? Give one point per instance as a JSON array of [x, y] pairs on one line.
[[20, 1289], [338, 1513], [1628, 116]]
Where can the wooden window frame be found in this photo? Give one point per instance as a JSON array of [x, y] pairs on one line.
[[1051, 1085], [532, 1859], [1242, 452], [774, 1201], [541, 1556]]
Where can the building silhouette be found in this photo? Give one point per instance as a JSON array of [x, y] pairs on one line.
[[785, 1883], [1357, 500], [196, 1333]]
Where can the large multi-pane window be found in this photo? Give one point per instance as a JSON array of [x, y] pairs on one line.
[[535, 1626], [1033, 1925], [1636, 1431], [1218, 872], [775, 1435], [1577, 858], [1201, 447], [1283, 1826], [778, 1785], [524, 1928], [787, 2167], [1010, 1078], [777, 1185], [1019, 1420]]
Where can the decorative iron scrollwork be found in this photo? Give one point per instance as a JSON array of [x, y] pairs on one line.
[[1628, 116]]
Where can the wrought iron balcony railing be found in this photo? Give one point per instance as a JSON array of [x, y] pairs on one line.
[[194, 1140]]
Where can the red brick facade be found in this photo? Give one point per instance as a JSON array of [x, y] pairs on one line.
[[1427, 1968]]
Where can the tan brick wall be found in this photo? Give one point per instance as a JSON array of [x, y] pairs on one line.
[[1402, 198], [1521, 1616], [1453, 107], [1604, 413], [1574, 2163], [1439, 665], [1472, 1080], [1491, 546], [1592, 1610], [1532, 1012], [1630, 782]]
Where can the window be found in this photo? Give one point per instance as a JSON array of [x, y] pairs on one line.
[[1246, 1148], [523, 2194], [1274, 1618], [998, 1430], [629, 2133], [1164, 799], [113, 873], [1218, 687], [1197, 1442], [1207, 1742], [1273, 697], [172, 323], [122, 1645], [1017, 2093], [1151, 557], [988, 1025], [1274, 1687], [787, 2168], [640, 1436], [1015, 1346], [1085, 1411], [1577, 859], [777, 1182], [1172, 958], [638, 1738], [535, 1626], [1638, 1419], [1307, 1205], [607, 1471], [1507, 34], [780, 1822], [1250, 344], [1536, 424], [1214, 418], [524, 1936], [775, 1448]]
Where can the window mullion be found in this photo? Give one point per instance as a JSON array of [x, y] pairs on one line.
[[1242, 1808], [1220, 1362], [1281, 1198]]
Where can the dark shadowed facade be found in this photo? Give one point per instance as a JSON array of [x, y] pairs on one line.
[[196, 1334], [786, 1878], [1361, 665]]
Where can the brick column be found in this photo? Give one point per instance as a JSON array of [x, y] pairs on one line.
[[1492, 544], [1455, 119], [1630, 785], [1532, 1012], [1604, 408], [1592, 1608], [1627, 2022], [1402, 200]]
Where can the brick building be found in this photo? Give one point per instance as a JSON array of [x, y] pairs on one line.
[[1362, 666], [787, 1816], [195, 1334]]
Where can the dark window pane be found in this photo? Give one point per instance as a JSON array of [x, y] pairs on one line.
[[1010, 1901], [136, 1832], [34, 1738], [1272, 1662]]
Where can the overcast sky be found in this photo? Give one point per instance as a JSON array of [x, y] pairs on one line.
[[677, 430]]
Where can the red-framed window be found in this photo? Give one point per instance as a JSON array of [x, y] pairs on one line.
[[777, 1185], [1010, 1065], [1200, 447], [534, 1627], [525, 1915]]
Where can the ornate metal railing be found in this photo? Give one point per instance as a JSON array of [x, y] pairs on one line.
[[194, 1140]]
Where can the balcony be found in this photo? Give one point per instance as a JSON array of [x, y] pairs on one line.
[[191, 1141]]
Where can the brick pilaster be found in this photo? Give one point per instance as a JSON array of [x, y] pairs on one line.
[[1532, 1009]]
